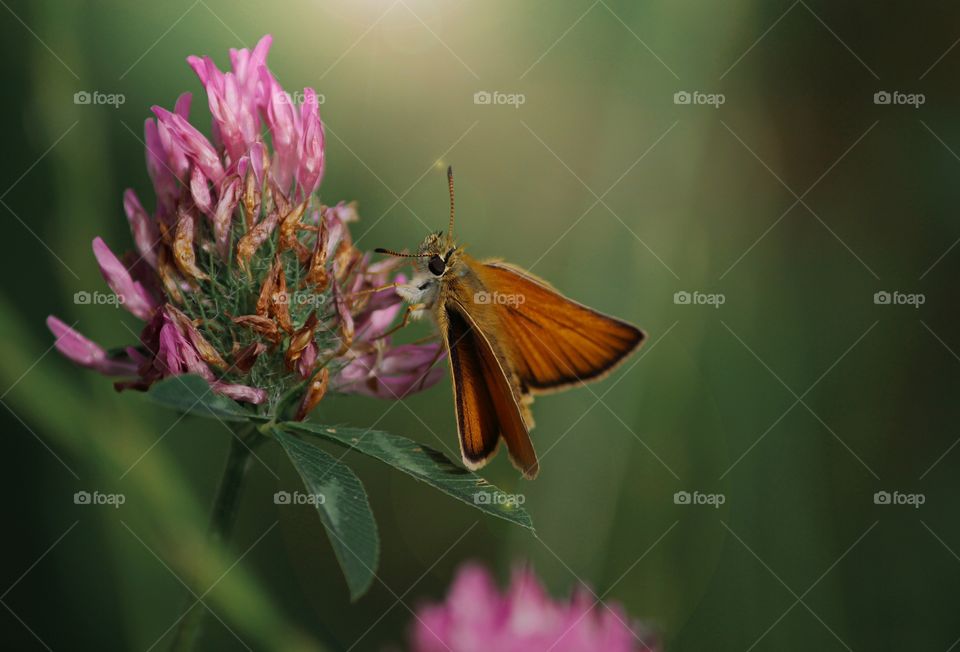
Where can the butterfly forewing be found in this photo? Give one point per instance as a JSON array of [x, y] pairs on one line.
[[556, 342]]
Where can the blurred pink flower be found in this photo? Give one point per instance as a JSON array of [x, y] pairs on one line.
[[476, 618], [218, 205]]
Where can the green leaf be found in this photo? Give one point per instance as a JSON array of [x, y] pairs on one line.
[[192, 394], [344, 510], [424, 464]]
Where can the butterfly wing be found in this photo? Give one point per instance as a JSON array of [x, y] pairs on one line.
[[557, 342], [487, 406]]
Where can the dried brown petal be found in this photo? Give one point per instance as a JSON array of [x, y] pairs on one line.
[[289, 227], [280, 200], [207, 353], [252, 239], [223, 216], [300, 341], [345, 318], [280, 304], [183, 253], [314, 394], [263, 325], [245, 359], [317, 271], [169, 276], [166, 234], [344, 259], [266, 291], [251, 200]]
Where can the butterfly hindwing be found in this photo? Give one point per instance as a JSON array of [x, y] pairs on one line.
[[486, 404]]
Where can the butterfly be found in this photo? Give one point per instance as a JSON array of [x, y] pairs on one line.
[[508, 336]]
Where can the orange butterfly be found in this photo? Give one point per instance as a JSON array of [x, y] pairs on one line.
[[508, 335]]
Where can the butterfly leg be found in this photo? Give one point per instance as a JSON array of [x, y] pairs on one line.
[[410, 309], [388, 286]]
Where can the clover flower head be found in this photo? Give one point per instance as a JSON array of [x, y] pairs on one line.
[[476, 617], [242, 275]]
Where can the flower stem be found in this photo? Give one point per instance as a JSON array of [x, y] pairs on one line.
[[222, 519]]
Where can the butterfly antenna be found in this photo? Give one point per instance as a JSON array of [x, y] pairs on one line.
[[450, 186], [381, 250]]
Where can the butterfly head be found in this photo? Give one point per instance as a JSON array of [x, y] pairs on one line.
[[436, 255]]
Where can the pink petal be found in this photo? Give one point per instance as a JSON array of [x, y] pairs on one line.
[[307, 361], [257, 158], [394, 374], [284, 125], [86, 353], [373, 323], [132, 294], [473, 594], [200, 191], [246, 64], [182, 107], [310, 147], [177, 160], [177, 355], [146, 236], [240, 392], [223, 216], [195, 145], [207, 71], [164, 181]]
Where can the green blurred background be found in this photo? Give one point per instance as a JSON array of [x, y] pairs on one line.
[[797, 399]]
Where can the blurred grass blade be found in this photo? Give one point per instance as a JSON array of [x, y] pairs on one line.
[[343, 508], [192, 394], [106, 436], [424, 464]]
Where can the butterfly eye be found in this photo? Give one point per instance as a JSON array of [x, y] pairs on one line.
[[436, 265]]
